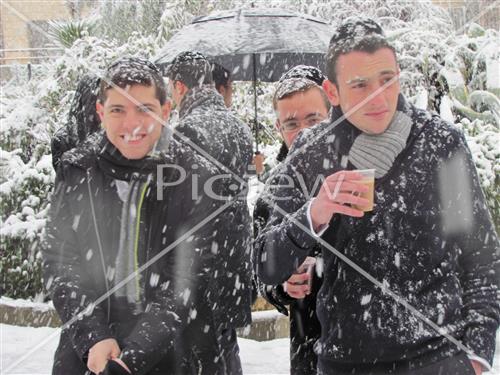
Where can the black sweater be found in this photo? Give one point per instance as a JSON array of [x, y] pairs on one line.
[[430, 239], [79, 259]]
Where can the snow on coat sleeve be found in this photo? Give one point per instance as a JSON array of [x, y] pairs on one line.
[[285, 241], [466, 220], [67, 280], [184, 277], [274, 294]]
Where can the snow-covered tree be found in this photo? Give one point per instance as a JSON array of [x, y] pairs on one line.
[[451, 72]]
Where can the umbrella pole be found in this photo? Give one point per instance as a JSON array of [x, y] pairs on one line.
[[255, 120]]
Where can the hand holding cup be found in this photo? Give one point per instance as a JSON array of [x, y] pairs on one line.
[[342, 193]]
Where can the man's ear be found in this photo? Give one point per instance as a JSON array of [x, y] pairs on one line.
[[165, 111], [331, 92], [222, 90], [100, 111], [277, 125], [180, 87]]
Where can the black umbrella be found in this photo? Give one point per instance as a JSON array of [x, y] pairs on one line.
[[256, 44]]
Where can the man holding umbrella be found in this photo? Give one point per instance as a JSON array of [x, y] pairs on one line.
[[212, 130]]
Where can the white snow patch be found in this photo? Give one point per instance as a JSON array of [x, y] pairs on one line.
[[365, 300], [264, 357]]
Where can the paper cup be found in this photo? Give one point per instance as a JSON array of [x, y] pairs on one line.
[[368, 180]]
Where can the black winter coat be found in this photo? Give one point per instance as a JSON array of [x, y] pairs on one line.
[[206, 125], [305, 328], [80, 253], [82, 119], [429, 239]]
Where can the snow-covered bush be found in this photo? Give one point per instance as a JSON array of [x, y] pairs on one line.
[[484, 142], [31, 112], [441, 72], [26, 177], [23, 200]]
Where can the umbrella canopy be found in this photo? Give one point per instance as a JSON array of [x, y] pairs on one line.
[[253, 44]]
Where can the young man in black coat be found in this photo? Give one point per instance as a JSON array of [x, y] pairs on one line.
[[82, 119], [214, 132], [129, 257], [299, 103], [410, 287]]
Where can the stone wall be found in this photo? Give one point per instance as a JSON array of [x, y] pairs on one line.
[[266, 324], [23, 25]]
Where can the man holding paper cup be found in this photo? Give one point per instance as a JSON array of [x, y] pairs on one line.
[[411, 274]]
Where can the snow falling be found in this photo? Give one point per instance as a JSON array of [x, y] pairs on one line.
[[459, 80]]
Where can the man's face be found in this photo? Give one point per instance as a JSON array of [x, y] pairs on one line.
[[298, 111], [359, 74], [133, 127], [175, 95]]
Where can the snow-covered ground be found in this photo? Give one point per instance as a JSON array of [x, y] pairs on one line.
[[266, 357]]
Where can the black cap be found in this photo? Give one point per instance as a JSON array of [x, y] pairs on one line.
[[354, 34], [354, 29], [220, 75], [190, 67], [305, 71]]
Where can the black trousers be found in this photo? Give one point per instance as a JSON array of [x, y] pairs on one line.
[[214, 356], [305, 330], [211, 357], [456, 365]]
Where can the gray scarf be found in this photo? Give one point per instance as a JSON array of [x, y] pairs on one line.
[[380, 150]]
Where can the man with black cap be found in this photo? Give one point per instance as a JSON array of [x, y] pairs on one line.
[[299, 103], [206, 125], [411, 285]]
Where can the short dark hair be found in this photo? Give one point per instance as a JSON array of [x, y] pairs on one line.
[[355, 34], [305, 71], [291, 86], [129, 71], [191, 68], [220, 75]]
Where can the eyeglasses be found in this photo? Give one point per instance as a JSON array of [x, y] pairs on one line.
[[293, 125]]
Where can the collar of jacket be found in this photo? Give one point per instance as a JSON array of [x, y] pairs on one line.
[[282, 153], [115, 165], [83, 156], [198, 95]]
